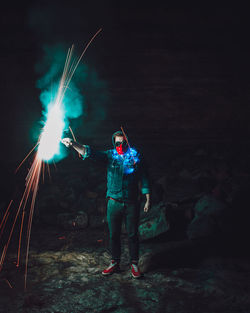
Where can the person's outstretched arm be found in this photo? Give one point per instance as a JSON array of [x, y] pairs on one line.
[[68, 142], [85, 150]]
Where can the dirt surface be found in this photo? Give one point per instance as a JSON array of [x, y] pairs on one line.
[[64, 275]]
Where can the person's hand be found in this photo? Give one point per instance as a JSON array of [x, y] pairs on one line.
[[146, 206], [67, 142]]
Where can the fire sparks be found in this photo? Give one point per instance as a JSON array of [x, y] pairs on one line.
[[45, 150]]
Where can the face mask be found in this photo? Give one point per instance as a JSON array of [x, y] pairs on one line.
[[121, 147]]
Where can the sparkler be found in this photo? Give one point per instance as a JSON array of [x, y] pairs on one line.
[[47, 147]]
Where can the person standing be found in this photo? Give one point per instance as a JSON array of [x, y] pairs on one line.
[[126, 173]]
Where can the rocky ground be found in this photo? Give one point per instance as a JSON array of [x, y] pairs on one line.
[[64, 275]]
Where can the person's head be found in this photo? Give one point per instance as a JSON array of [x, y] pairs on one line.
[[120, 142]]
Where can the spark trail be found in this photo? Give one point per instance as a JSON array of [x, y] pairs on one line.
[[47, 146]]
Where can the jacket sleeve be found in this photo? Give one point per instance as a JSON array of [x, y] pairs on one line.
[[95, 155]]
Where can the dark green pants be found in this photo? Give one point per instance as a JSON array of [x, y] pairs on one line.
[[130, 212]]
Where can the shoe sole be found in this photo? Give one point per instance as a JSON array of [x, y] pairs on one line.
[[107, 274], [135, 276]]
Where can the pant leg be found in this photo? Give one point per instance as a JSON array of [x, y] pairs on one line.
[[114, 217], [132, 215]]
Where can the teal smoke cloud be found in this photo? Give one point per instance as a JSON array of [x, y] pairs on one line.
[[53, 62], [85, 90]]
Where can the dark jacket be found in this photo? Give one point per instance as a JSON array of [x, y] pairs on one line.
[[124, 173]]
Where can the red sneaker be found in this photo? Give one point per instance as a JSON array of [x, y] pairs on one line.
[[135, 271], [112, 268]]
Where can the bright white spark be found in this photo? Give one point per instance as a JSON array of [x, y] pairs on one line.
[[52, 133]]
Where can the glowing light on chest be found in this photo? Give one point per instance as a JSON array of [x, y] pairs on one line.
[[128, 160]]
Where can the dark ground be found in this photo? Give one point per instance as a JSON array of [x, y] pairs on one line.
[[64, 276]]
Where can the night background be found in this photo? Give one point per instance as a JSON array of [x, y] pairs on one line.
[[176, 77]]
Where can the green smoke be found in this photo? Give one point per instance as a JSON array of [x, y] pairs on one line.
[[53, 63], [85, 97]]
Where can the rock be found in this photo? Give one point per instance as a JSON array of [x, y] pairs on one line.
[[208, 220], [145, 262], [73, 221], [173, 254], [208, 205], [97, 220], [154, 226]]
